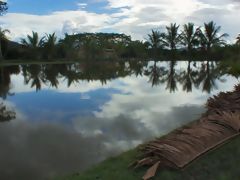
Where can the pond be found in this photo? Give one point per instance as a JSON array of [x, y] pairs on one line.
[[59, 119]]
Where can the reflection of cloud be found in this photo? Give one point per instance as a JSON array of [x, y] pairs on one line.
[[40, 150], [37, 151], [152, 109], [85, 97], [47, 149], [134, 112]]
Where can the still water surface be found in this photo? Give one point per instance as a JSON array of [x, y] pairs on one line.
[[62, 119]]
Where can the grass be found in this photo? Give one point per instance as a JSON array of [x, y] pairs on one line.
[[220, 164]]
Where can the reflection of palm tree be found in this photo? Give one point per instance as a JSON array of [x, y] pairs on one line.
[[51, 73], [137, 67], [208, 76], [187, 78], [35, 76], [210, 35], [172, 77], [71, 74], [171, 38], [2, 38], [189, 36], [5, 80], [4, 83], [156, 74], [5, 114]]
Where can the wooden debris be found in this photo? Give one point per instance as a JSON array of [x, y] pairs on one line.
[[151, 171], [219, 124]]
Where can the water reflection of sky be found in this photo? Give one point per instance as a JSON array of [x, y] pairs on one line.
[[65, 130], [60, 106]]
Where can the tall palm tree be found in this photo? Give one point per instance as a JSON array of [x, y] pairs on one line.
[[50, 44], [210, 36], [51, 40], [3, 36], [172, 37], [189, 36], [154, 39], [33, 41]]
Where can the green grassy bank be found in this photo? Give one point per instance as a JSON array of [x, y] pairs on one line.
[[220, 164]]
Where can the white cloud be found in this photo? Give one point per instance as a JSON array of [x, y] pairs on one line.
[[82, 5], [21, 24], [133, 17]]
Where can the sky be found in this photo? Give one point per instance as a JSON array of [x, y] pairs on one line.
[[132, 17]]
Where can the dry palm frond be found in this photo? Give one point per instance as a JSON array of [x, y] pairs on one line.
[[176, 150]]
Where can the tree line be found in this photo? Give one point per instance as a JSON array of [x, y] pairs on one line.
[[174, 42]]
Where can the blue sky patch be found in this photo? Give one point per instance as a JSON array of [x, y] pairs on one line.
[[43, 7]]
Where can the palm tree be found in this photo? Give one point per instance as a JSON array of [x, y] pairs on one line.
[[2, 38], [238, 40], [189, 36], [171, 38], [50, 44], [154, 39], [210, 37], [33, 41]]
